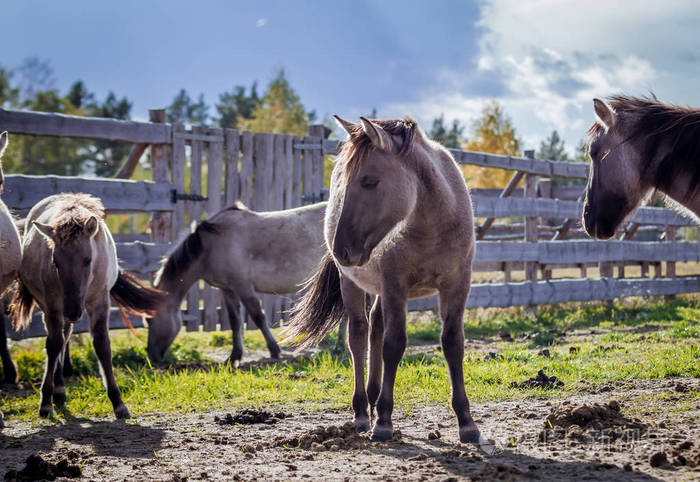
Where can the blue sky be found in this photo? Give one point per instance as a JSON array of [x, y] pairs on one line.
[[543, 60]]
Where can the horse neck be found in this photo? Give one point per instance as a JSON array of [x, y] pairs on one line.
[[177, 289], [679, 193]]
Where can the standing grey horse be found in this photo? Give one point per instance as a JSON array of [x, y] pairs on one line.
[[240, 252], [637, 145], [69, 265], [10, 259], [399, 225]]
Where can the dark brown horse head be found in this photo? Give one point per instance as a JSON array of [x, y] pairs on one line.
[[72, 259], [375, 185], [615, 185]]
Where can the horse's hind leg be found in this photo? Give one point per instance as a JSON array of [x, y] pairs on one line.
[[9, 369], [394, 344], [354, 301], [59, 385], [99, 329], [252, 306], [376, 334], [452, 304], [67, 361], [54, 346], [233, 305]]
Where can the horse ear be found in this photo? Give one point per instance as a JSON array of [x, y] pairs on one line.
[[347, 126], [3, 142], [377, 135], [604, 113], [92, 226], [45, 230]]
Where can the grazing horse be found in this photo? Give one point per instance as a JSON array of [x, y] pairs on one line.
[[398, 225], [638, 145], [69, 265], [10, 258], [240, 252]]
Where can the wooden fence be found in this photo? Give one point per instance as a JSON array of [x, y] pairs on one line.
[[198, 170]]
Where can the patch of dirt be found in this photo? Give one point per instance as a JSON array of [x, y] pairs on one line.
[[191, 447], [36, 468], [251, 416], [539, 381]]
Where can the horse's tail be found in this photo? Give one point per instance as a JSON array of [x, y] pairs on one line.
[[185, 254], [319, 310], [21, 305], [133, 296]]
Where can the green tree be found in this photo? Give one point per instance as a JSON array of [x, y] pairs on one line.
[[553, 148], [9, 95], [451, 137], [235, 105], [107, 156], [184, 109], [493, 133], [280, 111], [78, 95]]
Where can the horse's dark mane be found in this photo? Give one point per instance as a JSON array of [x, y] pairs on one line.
[[658, 126], [186, 252], [356, 148]]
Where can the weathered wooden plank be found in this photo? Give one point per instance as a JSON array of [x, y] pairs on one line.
[[530, 192], [36, 327], [506, 192], [296, 174], [307, 171], [288, 172], [211, 296], [485, 207], [23, 192], [59, 125], [531, 166], [246, 192], [161, 222], [278, 167], [263, 159], [195, 209], [178, 168], [561, 291], [232, 183], [587, 251]]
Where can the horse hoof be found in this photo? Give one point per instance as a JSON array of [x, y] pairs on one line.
[[46, 411], [59, 398], [382, 433], [361, 424], [276, 355], [469, 435], [122, 413]]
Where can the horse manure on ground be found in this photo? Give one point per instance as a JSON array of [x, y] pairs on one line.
[[251, 416], [331, 438], [36, 468], [591, 423], [539, 381], [683, 454]]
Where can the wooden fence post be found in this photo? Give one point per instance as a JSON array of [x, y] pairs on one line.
[[530, 191], [669, 237], [161, 223]]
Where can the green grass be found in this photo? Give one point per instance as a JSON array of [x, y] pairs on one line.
[[643, 342]]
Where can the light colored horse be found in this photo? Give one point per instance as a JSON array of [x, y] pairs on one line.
[[10, 258], [399, 225], [69, 265], [638, 145], [240, 252]]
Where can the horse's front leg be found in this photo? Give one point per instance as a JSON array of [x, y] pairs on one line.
[[233, 305], [59, 385], [98, 313], [354, 302], [376, 339], [393, 300], [9, 369], [452, 303], [54, 346]]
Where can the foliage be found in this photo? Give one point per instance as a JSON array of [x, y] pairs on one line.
[[493, 133], [449, 137], [184, 109], [236, 105], [280, 110], [552, 149]]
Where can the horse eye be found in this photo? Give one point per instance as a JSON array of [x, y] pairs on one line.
[[369, 183], [87, 261]]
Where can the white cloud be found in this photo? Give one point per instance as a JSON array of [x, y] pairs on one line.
[[553, 57], [261, 22]]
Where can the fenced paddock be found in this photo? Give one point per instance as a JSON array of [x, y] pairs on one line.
[[527, 236]]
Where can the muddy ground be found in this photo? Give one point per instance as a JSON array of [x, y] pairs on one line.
[[536, 439]]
